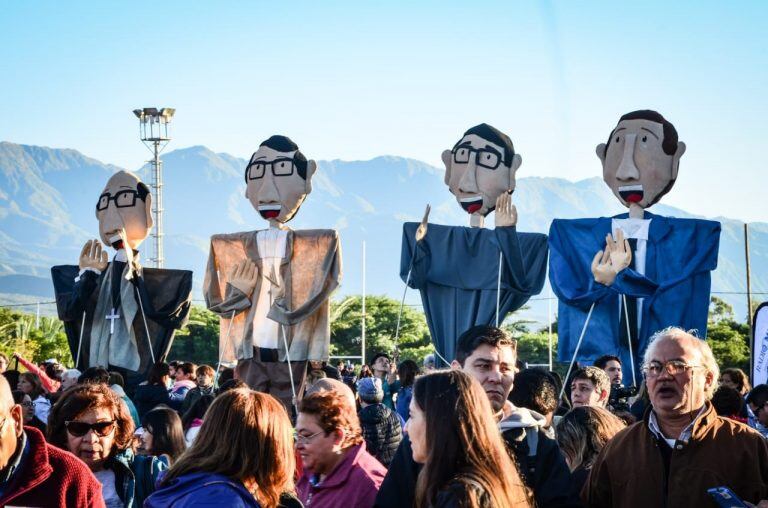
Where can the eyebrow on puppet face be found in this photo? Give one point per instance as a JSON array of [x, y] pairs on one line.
[[649, 131]]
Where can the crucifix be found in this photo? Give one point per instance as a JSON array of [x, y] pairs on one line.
[[112, 316]]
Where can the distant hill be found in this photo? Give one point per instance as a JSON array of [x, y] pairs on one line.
[[47, 199]]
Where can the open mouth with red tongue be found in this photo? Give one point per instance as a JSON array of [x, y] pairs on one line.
[[270, 211], [116, 242], [471, 204], [631, 193]]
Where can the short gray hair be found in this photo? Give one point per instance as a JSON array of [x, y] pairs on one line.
[[707, 358], [70, 374]]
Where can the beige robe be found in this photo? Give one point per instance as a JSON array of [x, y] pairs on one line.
[[310, 271]]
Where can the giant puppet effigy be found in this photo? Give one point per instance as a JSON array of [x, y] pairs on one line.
[[271, 286], [471, 275], [620, 279], [117, 314]]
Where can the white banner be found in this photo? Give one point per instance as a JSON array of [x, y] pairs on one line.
[[760, 345]]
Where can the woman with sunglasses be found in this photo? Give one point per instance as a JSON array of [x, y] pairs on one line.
[[92, 422]]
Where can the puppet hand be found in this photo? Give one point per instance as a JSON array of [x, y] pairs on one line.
[[621, 252], [421, 231], [506, 212], [244, 276], [92, 256], [602, 269]]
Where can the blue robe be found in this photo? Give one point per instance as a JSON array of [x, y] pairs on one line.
[[675, 289], [456, 270]]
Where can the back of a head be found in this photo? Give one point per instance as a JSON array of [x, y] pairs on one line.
[[246, 436], [758, 395], [407, 372], [197, 410], [479, 335], [225, 375], [188, 368], [534, 389], [115, 378], [462, 439], [157, 372], [727, 401], [231, 385], [583, 432], [94, 375], [370, 390]]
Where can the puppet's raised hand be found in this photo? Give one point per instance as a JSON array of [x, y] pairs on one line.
[[244, 276], [92, 256], [506, 212], [621, 252], [421, 231], [602, 270]]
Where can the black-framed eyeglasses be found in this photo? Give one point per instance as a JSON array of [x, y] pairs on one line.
[[79, 429], [282, 166], [305, 439], [123, 199], [484, 157], [673, 367]]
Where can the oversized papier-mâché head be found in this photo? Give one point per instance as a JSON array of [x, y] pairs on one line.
[[124, 211], [279, 178], [641, 158], [479, 167]]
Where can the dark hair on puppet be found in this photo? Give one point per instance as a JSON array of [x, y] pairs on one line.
[[668, 144], [285, 144], [496, 137]]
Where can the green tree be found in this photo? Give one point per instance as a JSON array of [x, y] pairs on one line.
[[728, 338], [198, 341], [380, 324], [37, 341]]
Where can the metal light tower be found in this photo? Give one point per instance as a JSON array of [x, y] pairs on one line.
[[153, 130]]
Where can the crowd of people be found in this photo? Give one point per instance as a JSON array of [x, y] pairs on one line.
[[483, 431]]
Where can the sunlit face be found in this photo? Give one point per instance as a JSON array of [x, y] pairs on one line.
[[92, 448], [416, 427], [25, 386], [275, 188], [381, 365], [613, 369], [11, 427], [725, 380], [680, 393], [120, 211], [635, 166], [584, 393], [204, 380], [319, 451], [146, 440], [476, 173], [494, 369]]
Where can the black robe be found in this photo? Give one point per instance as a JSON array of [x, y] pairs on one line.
[[166, 296]]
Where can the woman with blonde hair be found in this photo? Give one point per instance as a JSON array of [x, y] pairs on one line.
[[454, 435], [581, 434], [243, 456]]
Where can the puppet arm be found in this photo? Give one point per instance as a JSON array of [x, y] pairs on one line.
[[234, 299], [509, 243], [71, 305], [321, 290], [415, 256], [569, 272], [173, 311], [50, 385]]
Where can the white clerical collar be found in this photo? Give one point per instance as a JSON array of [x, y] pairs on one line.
[[121, 256], [632, 228]]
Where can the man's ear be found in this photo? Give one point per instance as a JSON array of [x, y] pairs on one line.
[[517, 160], [455, 365], [447, 158], [604, 395], [148, 210], [311, 168], [676, 158], [600, 151]]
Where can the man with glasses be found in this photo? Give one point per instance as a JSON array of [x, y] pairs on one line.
[[117, 314], [35, 473], [757, 401], [682, 448], [474, 276], [271, 286]]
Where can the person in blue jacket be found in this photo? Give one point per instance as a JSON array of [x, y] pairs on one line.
[[474, 276], [636, 272]]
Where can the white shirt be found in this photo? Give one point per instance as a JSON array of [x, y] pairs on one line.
[[271, 244], [637, 229], [107, 479], [685, 435]]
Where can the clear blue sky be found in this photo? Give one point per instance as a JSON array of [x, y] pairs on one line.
[[354, 80]]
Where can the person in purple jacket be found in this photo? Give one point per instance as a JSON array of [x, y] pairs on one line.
[[242, 457], [338, 471]]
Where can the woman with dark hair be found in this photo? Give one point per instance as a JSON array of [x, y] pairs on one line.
[[581, 434], [454, 435], [162, 435], [406, 373], [242, 457], [31, 385], [28, 410], [92, 422], [193, 419], [337, 469], [736, 379], [155, 391]]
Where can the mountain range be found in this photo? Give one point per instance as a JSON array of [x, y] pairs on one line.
[[47, 212]]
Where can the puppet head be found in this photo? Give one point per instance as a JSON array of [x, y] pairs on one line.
[[124, 211], [481, 165], [279, 178], [641, 158]]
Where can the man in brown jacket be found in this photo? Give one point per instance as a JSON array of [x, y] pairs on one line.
[[681, 448]]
